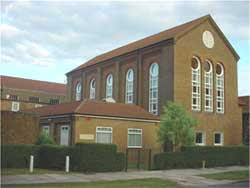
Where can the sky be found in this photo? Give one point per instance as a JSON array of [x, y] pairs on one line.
[[43, 40]]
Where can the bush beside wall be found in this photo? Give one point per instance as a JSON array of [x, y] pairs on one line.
[[18, 156], [84, 157], [192, 157]]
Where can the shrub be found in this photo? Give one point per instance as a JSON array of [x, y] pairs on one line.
[[45, 139], [192, 157], [18, 156]]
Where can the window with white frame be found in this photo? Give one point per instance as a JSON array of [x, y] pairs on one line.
[[219, 88], [15, 106], [208, 86], [109, 86], [104, 135], [78, 91], [196, 84], [13, 97], [200, 138], [45, 130], [92, 89], [134, 138], [153, 88], [129, 86], [218, 139]]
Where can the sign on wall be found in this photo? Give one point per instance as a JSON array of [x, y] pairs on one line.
[[86, 136]]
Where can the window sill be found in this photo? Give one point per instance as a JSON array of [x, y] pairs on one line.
[[202, 144], [134, 147], [218, 144]]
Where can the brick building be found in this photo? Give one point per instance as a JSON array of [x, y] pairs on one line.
[[126, 125], [245, 103], [18, 94], [192, 64]]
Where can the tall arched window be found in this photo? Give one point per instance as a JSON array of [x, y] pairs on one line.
[[109, 86], [129, 86], [78, 91], [196, 84], [153, 88], [92, 89], [219, 88], [208, 86]]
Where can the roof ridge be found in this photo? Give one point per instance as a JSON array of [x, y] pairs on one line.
[[138, 41]]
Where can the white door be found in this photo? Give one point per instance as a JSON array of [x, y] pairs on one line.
[[64, 138]]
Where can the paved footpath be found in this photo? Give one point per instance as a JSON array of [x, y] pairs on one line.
[[186, 177]]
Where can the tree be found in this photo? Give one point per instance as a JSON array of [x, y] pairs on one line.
[[176, 126], [45, 139]]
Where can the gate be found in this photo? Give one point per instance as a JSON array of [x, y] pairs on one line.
[[139, 158]]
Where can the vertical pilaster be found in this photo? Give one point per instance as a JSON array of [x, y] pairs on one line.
[[99, 84], [139, 92], [69, 88], [83, 82], [117, 82]]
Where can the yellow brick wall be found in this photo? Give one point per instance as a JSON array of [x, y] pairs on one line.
[[186, 47], [119, 131], [7, 105]]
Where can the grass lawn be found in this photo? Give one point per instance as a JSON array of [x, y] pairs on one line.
[[145, 183], [19, 171], [232, 175]]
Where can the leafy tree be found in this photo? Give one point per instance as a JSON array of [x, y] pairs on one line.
[[45, 139], [176, 126]]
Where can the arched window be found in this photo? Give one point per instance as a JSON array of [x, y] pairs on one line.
[[153, 88], [78, 91], [129, 86], [109, 86], [92, 89], [208, 86], [219, 88], [196, 84]]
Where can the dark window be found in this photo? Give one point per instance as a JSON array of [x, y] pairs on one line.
[[54, 101], [198, 138], [217, 138], [34, 99], [13, 97]]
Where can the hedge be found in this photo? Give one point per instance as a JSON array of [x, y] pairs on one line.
[[84, 157], [18, 156], [192, 157]]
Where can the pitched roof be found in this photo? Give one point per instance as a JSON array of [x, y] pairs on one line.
[[164, 35], [22, 83], [96, 108]]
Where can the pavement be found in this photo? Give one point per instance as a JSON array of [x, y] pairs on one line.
[[185, 177]]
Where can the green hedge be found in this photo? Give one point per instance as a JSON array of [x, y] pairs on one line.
[[84, 157], [192, 157], [18, 156]]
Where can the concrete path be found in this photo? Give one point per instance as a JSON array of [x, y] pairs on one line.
[[186, 177]]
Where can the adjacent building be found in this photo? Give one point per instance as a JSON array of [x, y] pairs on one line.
[[192, 64], [18, 94], [127, 125], [245, 103]]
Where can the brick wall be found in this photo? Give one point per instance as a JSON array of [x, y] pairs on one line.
[[19, 128]]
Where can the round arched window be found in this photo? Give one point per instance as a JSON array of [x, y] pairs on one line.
[[92, 84], [110, 80], [219, 69], [208, 66], [130, 75], [195, 63], [154, 69]]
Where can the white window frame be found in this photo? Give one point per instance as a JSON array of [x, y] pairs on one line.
[[153, 89], [221, 139], [130, 132], [220, 88], [208, 86], [45, 132], [110, 131], [129, 87], [196, 82], [78, 91], [15, 106], [109, 86], [203, 138], [92, 87]]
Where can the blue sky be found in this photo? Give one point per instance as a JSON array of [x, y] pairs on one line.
[[44, 40]]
